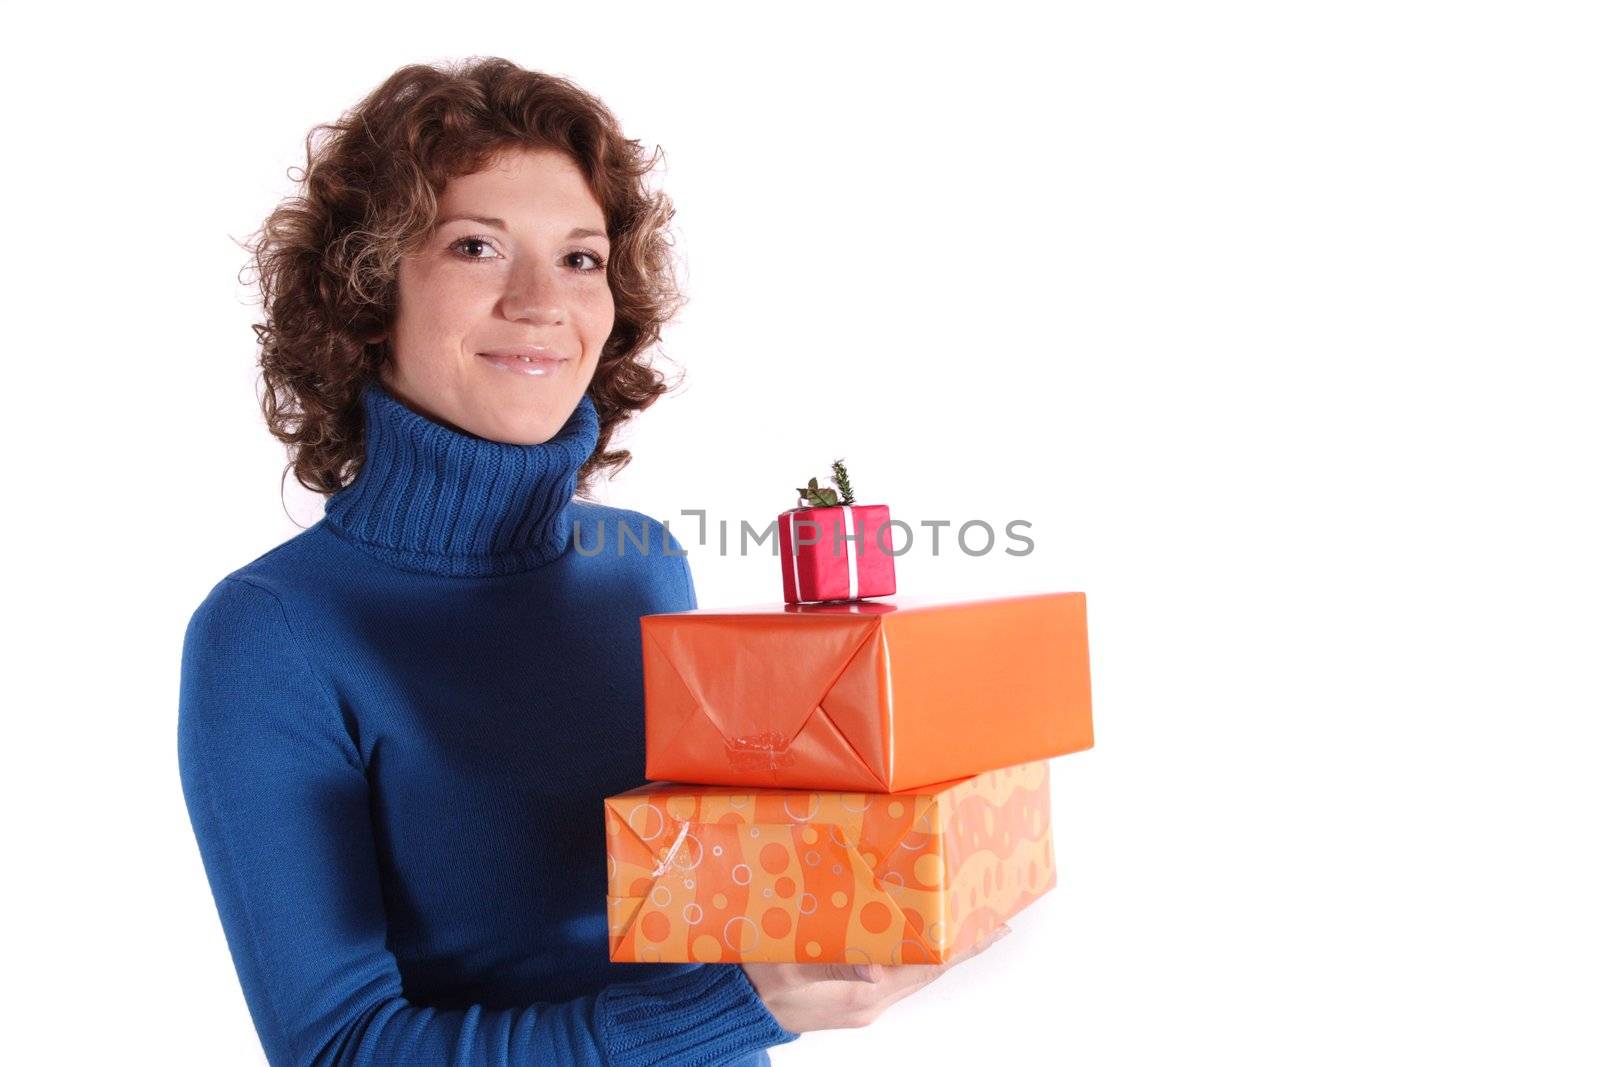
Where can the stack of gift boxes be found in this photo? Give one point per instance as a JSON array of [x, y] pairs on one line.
[[838, 779]]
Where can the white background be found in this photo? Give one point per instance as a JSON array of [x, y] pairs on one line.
[[1277, 321]]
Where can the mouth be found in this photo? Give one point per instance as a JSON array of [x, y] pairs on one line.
[[529, 360]]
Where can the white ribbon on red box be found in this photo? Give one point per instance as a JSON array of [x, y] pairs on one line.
[[851, 561]]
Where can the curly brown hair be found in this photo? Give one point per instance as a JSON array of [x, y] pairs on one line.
[[327, 260]]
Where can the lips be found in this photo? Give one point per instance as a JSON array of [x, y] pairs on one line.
[[526, 352], [526, 359]]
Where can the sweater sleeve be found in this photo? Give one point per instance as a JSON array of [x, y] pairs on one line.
[[690, 600], [277, 796]]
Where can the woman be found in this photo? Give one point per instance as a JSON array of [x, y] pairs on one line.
[[396, 728]]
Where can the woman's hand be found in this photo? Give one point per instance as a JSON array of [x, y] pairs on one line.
[[834, 996]]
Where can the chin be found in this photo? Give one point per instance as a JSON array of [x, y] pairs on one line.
[[520, 428]]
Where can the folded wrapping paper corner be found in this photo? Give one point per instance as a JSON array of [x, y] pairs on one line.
[[710, 874], [733, 701], [875, 696]]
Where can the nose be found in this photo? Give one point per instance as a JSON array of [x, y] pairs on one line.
[[533, 294]]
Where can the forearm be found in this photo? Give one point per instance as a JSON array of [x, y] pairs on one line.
[[706, 1016]]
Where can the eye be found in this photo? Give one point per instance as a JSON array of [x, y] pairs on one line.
[[599, 264], [484, 241]]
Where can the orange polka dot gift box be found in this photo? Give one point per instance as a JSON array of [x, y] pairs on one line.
[[878, 696], [716, 874]]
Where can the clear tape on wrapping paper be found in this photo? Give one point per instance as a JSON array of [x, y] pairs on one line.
[[768, 751], [672, 851]]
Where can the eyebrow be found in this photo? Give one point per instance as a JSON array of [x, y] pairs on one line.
[[486, 220]]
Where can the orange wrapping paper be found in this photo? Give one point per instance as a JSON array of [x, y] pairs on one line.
[[878, 696], [710, 874]]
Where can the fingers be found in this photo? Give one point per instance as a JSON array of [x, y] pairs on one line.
[[911, 977], [900, 979], [822, 996], [848, 972], [869, 972], [996, 934], [999, 933]]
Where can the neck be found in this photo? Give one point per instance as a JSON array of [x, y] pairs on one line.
[[431, 498]]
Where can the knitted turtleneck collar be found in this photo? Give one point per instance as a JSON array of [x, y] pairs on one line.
[[431, 498]]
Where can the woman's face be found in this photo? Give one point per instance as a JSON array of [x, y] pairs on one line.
[[515, 266]]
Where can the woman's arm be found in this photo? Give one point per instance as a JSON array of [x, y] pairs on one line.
[[278, 799]]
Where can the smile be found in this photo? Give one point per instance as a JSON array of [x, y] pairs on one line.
[[534, 365]]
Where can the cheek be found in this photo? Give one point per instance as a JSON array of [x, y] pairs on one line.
[[441, 305], [599, 316]]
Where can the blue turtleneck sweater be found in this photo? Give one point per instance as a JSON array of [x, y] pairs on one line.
[[395, 733]]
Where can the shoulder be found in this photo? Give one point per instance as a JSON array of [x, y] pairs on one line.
[[301, 563], [637, 547], [246, 609], [241, 596], [241, 617], [253, 714], [237, 641], [635, 527], [246, 674]]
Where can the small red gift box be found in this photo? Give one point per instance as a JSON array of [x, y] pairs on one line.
[[838, 553]]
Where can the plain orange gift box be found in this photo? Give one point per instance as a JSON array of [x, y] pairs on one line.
[[713, 874], [880, 696]]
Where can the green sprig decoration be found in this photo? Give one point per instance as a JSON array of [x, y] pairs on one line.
[[842, 480], [814, 496]]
